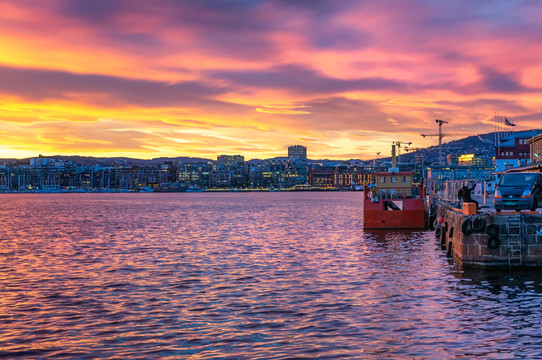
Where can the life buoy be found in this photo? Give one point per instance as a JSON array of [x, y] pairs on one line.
[[370, 194], [478, 224]]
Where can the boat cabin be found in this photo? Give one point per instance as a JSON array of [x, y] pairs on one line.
[[394, 185]]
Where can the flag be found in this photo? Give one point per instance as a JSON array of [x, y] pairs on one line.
[[508, 123]]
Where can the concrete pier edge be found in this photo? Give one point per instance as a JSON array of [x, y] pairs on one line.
[[518, 244]]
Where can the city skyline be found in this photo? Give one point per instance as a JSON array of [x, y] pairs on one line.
[[116, 78]]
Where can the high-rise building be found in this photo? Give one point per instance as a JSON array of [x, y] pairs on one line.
[[297, 151]]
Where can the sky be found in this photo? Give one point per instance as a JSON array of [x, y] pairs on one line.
[[344, 78]]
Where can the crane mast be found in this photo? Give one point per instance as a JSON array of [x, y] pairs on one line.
[[440, 122], [440, 136]]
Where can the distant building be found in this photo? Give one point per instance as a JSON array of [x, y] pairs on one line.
[[231, 171], [229, 160], [451, 159], [297, 151], [195, 174], [448, 172], [42, 161], [348, 176], [513, 150], [535, 148], [472, 160], [295, 172], [322, 176]]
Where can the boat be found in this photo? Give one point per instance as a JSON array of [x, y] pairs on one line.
[[393, 202], [195, 189]]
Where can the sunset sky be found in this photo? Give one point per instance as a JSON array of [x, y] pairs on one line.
[[345, 78]]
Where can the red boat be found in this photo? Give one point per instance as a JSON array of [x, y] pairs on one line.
[[393, 202]]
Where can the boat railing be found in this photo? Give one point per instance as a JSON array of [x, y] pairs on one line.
[[399, 193]]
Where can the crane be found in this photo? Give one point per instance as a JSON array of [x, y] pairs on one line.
[[440, 136], [399, 143]]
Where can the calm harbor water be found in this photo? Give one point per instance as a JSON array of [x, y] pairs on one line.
[[244, 276]]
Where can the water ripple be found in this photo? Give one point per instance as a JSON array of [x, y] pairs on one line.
[[244, 276]]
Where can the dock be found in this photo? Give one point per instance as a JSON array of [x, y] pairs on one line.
[[485, 238], [490, 239]]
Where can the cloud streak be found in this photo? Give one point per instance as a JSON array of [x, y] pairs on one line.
[[180, 77]]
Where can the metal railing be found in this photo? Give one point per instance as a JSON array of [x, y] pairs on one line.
[[449, 191]]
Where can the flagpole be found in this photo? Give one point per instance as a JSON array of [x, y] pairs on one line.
[[510, 126], [499, 133], [495, 127]]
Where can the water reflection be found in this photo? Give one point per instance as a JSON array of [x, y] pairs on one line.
[[253, 276]]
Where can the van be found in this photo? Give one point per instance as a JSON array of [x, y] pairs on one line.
[[518, 191]]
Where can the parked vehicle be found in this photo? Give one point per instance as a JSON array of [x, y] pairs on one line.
[[518, 191]]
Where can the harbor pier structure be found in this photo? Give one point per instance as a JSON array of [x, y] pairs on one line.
[[490, 239]]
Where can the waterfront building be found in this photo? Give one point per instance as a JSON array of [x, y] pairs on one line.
[[297, 151], [295, 172], [346, 176], [195, 174], [514, 150], [137, 177], [322, 176], [535, 148], [230, 172], [256, 176]]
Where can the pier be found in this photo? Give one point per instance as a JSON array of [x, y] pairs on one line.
[[488, 238]]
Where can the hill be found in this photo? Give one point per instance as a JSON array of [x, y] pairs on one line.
[[483, 144], [477, 144]]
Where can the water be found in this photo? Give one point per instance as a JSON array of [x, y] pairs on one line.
[[244, 276]]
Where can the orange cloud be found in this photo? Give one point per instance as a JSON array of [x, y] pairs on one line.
[[172, 78]]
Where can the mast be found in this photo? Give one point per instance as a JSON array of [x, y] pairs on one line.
[[393, 158]]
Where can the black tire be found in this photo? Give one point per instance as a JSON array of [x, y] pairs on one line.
[[466, 228], [451, 232], [443, 234], [493, 230], [478, 224], [437, 232], [535, 205], [493, 242], [498, 210]]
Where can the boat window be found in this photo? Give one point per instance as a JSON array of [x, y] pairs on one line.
[[383, 179], [403, 180], [393, 179]]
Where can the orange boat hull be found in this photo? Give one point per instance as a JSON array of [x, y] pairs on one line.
[[410, 215]]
